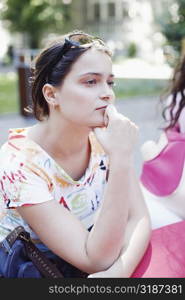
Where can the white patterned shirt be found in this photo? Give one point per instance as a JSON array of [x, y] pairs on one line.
[[28, 176]]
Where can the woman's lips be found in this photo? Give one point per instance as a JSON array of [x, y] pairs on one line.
[[101, 107]]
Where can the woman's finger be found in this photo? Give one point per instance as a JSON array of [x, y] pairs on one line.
[[111, 111], [106, 120]]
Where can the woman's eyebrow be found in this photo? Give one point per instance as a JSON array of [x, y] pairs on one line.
[[95, 74]]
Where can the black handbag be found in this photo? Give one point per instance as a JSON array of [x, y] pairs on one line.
[[20, 258]]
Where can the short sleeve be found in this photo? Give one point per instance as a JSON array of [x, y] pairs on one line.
[[24, 184]]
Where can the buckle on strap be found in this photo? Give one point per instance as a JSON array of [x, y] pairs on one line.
[[24, 237], [13, 236]]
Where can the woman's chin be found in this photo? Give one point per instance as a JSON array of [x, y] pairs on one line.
[[98, 125], [98, 122]]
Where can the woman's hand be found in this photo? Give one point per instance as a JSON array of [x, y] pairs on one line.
[[120, 135]]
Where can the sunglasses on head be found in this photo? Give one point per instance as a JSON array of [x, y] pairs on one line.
[[76, 40], [82, 39]]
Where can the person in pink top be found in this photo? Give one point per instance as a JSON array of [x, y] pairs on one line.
[[163, 172], [162, 182]]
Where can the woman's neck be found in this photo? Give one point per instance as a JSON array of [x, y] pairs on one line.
[[60, 140]]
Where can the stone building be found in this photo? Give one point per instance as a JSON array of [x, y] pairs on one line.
[[125, 24]]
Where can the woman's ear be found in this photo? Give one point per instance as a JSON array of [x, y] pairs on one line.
[[50, 94]]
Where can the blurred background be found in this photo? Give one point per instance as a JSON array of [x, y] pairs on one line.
[[147, 38]]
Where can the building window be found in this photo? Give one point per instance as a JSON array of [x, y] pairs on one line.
[[111, 10], [125, 13], [125, 9], [97, 11]]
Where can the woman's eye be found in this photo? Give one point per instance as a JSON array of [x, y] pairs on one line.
[[111, 83], [91, 82], [94, 82]]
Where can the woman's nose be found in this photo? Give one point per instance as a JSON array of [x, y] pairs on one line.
[[106, 93], [107, 96]]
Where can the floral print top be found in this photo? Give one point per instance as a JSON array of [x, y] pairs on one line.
[[28, 175]]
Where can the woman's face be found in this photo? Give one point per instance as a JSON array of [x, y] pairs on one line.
[[87, 89]]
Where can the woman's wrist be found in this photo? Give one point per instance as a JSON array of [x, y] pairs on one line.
[[120, 161]]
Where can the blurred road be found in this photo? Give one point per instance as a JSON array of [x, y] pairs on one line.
[[143, 111], [146, 113]]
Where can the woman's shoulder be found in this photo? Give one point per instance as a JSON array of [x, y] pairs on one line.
[[23, 177], [13, 146], [19, 149]]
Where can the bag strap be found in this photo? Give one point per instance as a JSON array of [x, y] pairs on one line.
[[43, 264]]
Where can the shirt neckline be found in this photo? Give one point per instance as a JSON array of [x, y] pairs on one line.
[[65, 175]]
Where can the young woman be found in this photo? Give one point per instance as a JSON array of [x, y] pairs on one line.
[[75, 163], [163, 177]]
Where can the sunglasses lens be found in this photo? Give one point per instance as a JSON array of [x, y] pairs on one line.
[[83, 39]]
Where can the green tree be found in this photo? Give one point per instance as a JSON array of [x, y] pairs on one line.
[[35, 17], [173, 23]]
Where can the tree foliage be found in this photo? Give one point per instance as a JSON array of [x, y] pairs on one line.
[[173, 23], [35, 17]]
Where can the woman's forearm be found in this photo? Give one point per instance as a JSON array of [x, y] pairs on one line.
[[106, 239], [134, 249], [137, 234], [137, 237]]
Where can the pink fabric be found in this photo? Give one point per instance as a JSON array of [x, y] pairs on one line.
[[165, 255], [161, 175]]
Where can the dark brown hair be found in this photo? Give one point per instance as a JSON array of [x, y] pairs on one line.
[[51, 66], [176, 87]]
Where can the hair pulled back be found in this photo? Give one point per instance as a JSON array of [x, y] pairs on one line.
[[55, 62], [51, 66]]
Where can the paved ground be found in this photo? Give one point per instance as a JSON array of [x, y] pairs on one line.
[[143, 111], [146, 114]]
